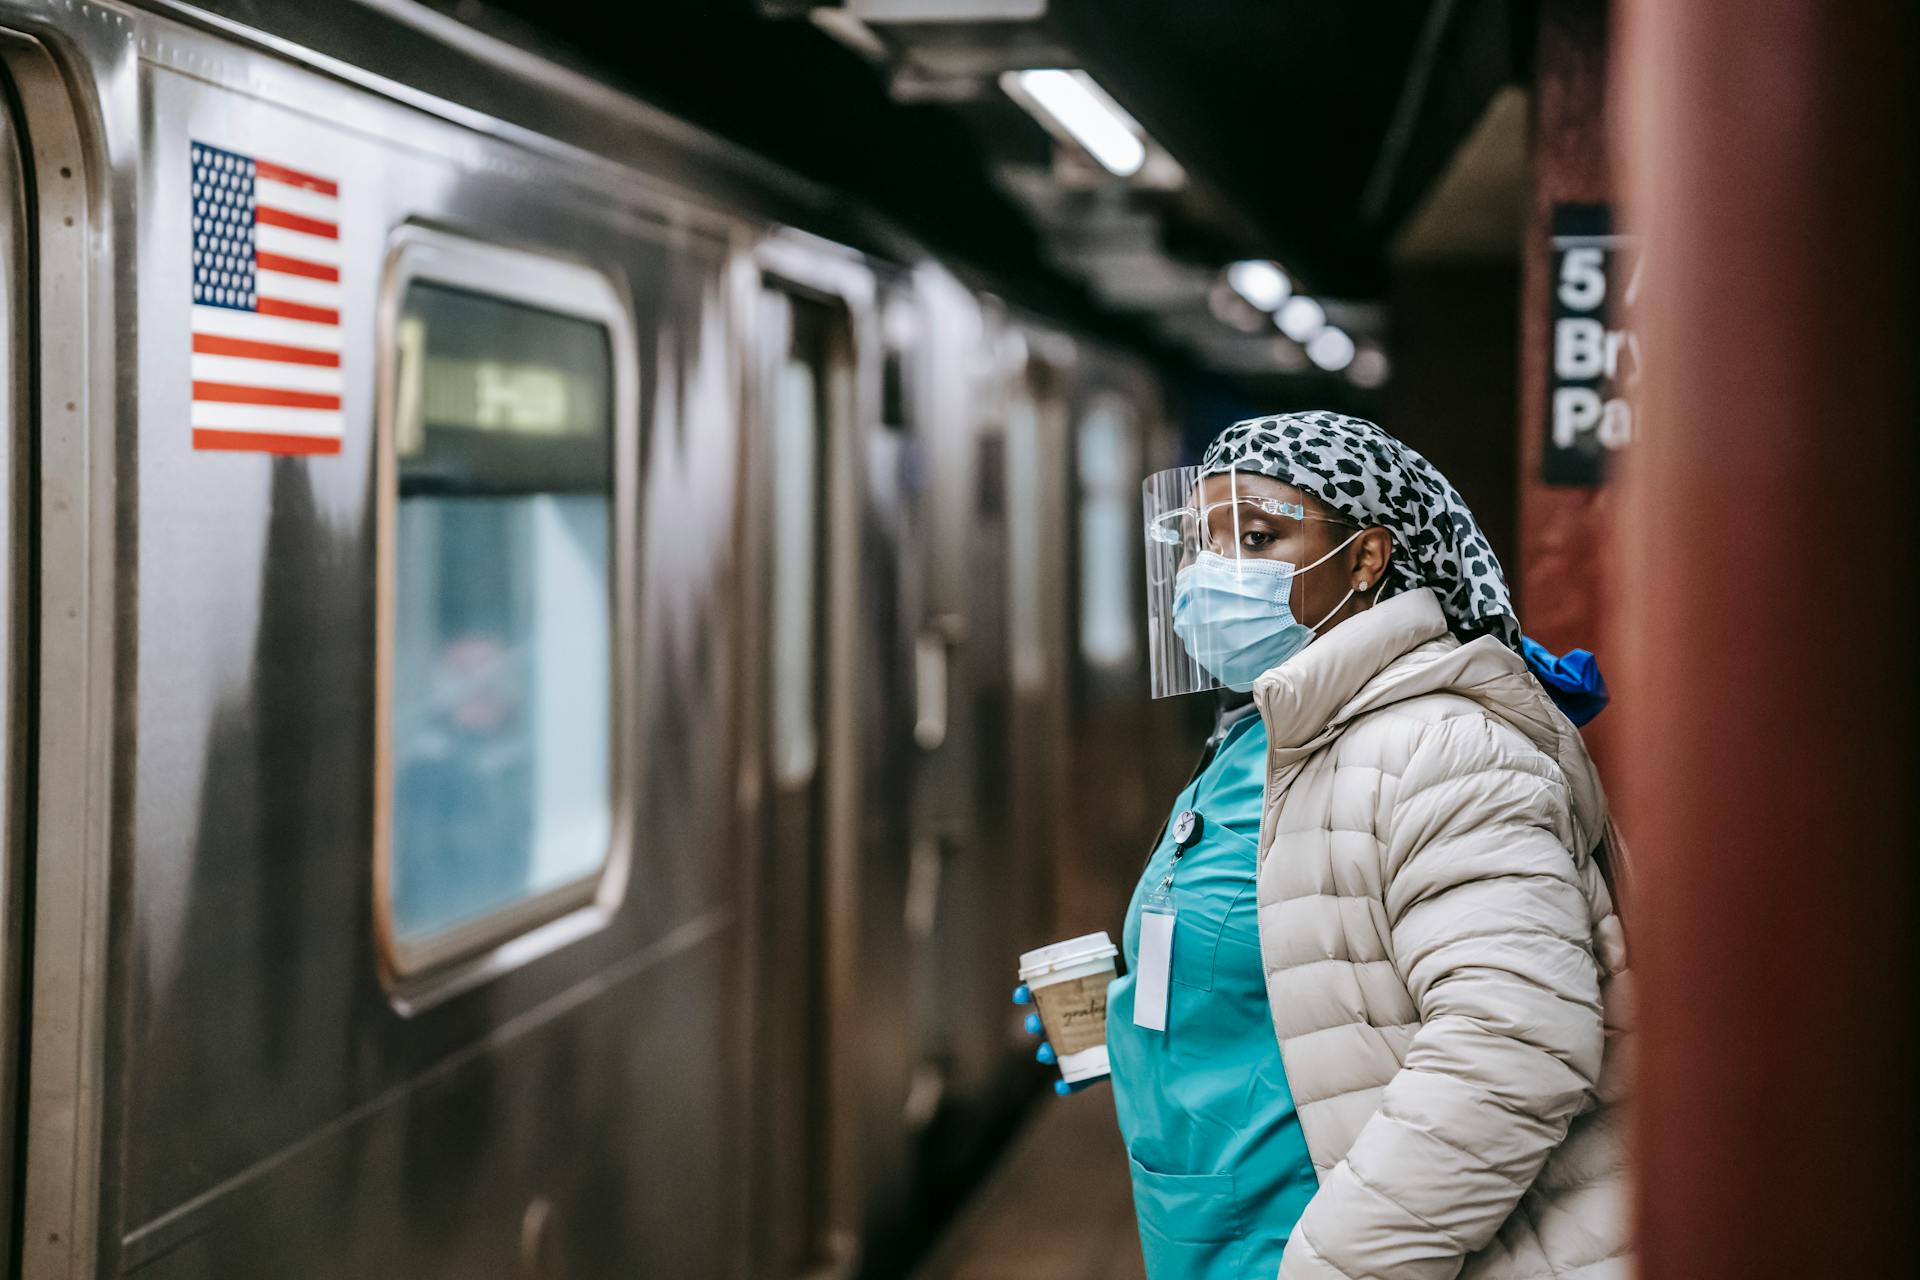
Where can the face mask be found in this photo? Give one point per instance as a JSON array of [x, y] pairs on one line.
[[1235, 618]]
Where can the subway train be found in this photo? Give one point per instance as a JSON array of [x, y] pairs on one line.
[[551, 669]]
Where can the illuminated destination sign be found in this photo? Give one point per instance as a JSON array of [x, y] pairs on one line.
[[526, 398]]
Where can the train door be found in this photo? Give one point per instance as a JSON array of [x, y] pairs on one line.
[[1038, 617], [57, 559], [888, 621], [1000, 884], [1113, 792], [974, 940], [977, 1068], [15, 426], [954, 905], [804, 396]]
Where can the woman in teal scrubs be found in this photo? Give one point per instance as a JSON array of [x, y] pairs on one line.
[[1220, 1168], [1221, 1175]]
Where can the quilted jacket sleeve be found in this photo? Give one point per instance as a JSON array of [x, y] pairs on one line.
[[1490, 933]]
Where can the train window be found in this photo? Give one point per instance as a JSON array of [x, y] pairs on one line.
[[1026, 533], [893, 389], [1109, 507], [899, 332], [498, 602], [796, 523]]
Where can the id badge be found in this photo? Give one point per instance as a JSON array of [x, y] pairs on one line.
[[1155, 962]]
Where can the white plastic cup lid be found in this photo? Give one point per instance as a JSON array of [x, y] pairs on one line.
[[1092, 946]]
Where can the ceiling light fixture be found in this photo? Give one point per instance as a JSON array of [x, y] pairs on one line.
[[1331, 349], [1071, 101], [1369, 369], [1301, 318], [1260, 282], [1234, 311]]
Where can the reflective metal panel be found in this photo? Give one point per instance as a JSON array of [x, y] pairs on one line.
[[557, 1071]]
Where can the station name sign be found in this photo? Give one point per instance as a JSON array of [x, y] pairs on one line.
[[1596, 361]]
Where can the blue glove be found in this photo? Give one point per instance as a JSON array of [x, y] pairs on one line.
[[1573, 682], [1045, 1053]]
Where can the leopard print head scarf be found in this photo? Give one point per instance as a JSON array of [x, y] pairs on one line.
[[1365, 474]]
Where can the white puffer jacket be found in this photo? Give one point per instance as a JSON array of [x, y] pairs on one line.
[[1444, 965]]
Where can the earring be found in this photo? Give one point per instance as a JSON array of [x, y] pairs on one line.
[[1364, 584]]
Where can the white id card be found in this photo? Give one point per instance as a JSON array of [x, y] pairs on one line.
[[1155, 964]]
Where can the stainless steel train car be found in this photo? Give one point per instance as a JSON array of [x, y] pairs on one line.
[[550, 669]]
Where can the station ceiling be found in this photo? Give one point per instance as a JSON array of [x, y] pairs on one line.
[[1307, 132]]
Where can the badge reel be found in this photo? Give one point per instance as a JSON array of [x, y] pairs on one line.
[[1157, 915]]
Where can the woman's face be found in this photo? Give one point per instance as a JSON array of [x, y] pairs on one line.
[[1238, 526]]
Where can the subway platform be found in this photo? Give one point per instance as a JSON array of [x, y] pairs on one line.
[[1058, 1207]]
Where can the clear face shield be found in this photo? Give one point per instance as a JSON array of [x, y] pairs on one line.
[[1230, 531]]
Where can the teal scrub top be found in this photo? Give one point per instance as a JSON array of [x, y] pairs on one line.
[[1220, 1167]]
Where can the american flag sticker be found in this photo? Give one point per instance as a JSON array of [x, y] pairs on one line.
[[266, 306]]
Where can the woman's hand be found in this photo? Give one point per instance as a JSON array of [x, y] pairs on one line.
[[1045, 1052]]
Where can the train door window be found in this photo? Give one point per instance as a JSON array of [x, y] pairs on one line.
[[1036, 478], [1109, 510], [796, 455], [899, 336], [499, 596], [1026, 537]]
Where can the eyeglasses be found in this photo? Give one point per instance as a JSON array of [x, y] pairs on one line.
[[1182, 527]]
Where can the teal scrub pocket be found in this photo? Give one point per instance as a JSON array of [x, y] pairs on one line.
[[1188, 1208], [1196, 941], [1190, 1223]]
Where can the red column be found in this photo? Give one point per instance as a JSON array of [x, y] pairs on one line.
[[1560, 580], [1765, 694]]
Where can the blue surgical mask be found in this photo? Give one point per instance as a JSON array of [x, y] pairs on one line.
[[1235, 617]]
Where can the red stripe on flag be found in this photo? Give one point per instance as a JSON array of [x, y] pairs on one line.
[[295, 222], [232, 393], [294, 178], [295, 266], [209, 345], [296, 311], [263, 442]]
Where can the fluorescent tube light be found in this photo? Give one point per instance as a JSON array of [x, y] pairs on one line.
[[1073, 102], [1261, 283]]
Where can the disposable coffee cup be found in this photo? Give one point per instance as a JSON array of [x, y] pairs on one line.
[[1069, 985]]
